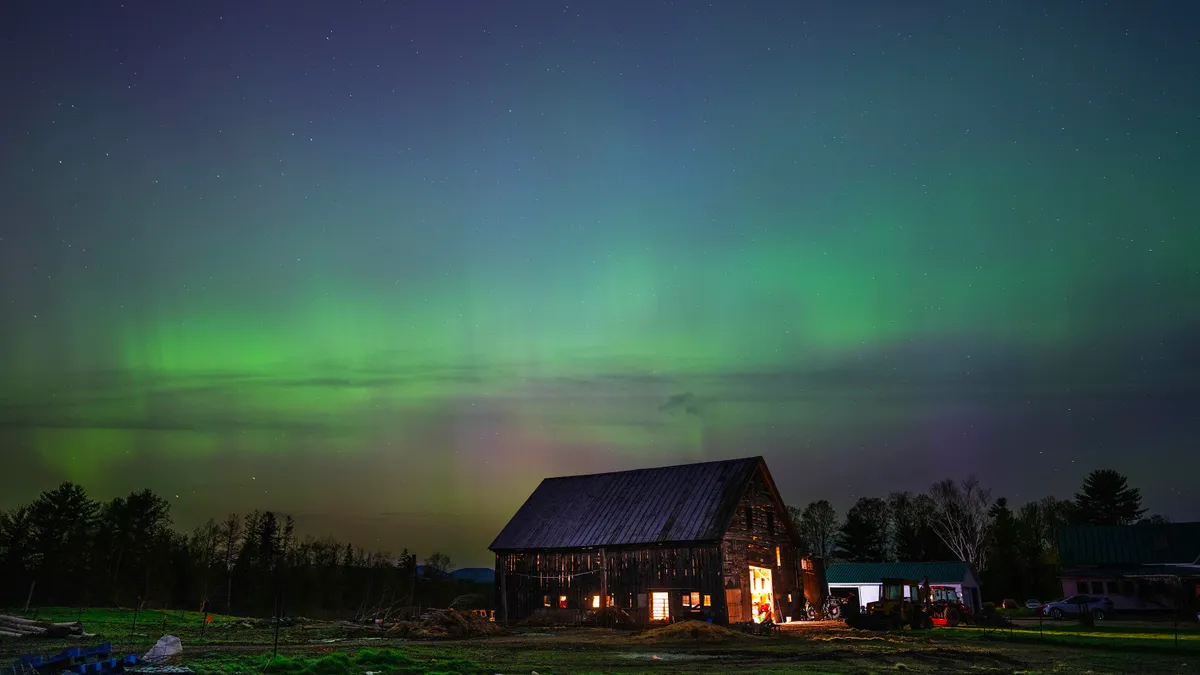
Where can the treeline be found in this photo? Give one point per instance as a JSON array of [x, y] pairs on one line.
[[1014, 550], [65, 549]]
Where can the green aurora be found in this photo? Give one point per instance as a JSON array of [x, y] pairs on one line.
[[395, 329]]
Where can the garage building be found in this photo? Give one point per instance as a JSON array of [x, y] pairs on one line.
[[864, 580]]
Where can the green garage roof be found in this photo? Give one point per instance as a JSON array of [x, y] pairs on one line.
[[1166, 544], [872, 573]]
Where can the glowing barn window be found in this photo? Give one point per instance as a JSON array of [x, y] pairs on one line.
[[596, 602], [778, 558], [708, 601], [562, 602]]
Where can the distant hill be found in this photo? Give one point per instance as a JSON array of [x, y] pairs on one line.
[[483, 575], [480, 575]]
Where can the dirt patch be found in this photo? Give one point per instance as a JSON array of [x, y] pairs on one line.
[[664, 656], [691, 631]]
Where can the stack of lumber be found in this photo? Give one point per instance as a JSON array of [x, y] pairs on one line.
[[15, 626]]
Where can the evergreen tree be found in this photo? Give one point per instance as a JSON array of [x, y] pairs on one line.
[[1005, 574], [62, 524], [1107, 499], [865, 534], [913, 536]]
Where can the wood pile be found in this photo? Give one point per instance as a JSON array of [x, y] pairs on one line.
[[15, 626], [441, 624]]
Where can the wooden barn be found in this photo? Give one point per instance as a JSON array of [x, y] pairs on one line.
[[709, 541]]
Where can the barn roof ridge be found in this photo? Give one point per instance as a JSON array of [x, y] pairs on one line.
[[662, 467], [679, 503]]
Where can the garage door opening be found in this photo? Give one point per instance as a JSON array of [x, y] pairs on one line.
[[660, 606], [761, 594]]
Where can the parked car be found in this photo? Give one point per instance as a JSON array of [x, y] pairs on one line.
[[1008, 603], [1033, 604], [1099, 607]]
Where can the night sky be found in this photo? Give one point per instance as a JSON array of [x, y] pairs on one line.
[[385, 265]]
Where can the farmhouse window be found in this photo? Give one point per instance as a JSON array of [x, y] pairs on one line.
[[695, 599], [562, 602], [546, 600], [708, 598], [595, 602], [778, 555]]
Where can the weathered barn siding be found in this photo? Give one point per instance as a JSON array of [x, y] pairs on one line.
[[812, 577], [679, 529], [535, 581], [754, 543]]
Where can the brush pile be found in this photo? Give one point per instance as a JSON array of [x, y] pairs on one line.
[[15, 626], [442, 624]]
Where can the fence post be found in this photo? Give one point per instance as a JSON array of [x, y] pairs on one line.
[[278, 620], [133, 627]]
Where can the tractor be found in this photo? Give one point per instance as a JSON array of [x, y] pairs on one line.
[[894, 610], [947, 608]]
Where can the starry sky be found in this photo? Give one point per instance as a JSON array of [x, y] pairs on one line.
[[384, 265]]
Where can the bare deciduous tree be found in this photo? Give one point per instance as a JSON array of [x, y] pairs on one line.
[[817, 524], [961, 518]]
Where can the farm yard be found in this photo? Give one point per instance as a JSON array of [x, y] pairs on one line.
[[234, 645]]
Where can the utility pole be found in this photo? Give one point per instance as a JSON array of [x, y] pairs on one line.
[[503, 569], [604, 584]]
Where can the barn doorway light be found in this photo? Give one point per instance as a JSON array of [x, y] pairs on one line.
[[762, 596], [660, 606]]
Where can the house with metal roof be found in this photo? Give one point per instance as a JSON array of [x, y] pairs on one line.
[[865, 580], [709, 541], [1144, 567]]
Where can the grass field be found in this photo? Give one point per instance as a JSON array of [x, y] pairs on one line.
[[229, 646]]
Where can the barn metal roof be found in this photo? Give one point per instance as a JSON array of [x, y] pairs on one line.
[[872, 573], [676, 504], [1168, 543]]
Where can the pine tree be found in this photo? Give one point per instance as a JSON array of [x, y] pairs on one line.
[[1107, 499], [864, 536]]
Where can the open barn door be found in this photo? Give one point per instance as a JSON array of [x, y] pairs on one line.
[[762, 595]]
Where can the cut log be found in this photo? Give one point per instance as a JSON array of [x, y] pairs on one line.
[[6, 618], [16, 626]]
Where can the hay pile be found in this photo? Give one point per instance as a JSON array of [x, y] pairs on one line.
[[691, 631], [445, 624]]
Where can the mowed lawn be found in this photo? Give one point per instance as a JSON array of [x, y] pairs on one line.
[[233, 645]]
